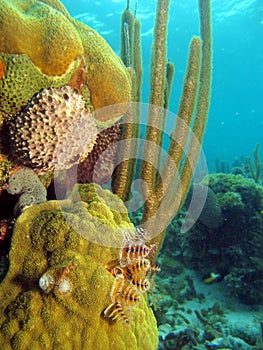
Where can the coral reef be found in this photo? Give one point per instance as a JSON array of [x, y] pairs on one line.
[[85, 62], [59, 277], [233, 249], [43, 242], [189, 318]]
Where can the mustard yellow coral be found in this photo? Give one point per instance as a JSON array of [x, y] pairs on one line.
[[42, 47], [44, 34], [107, 77], [44, 241]]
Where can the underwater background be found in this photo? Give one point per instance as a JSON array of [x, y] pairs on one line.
[[235, 123], [82, 254], [206, 295]]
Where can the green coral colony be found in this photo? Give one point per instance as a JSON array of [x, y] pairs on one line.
[[54, 70]]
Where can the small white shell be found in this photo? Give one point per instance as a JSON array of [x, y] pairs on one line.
[[46, 282], [65, 286]]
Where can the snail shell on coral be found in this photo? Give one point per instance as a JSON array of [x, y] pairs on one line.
[[64, 286], [46, 282]]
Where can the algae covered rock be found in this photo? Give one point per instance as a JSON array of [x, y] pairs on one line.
[[45, 244]]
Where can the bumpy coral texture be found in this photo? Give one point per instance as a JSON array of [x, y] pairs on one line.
[[5, 168], [107, 77], [54, 131], [23, 79], [25, 183], [44, 242], [54, 55], [42, 46]]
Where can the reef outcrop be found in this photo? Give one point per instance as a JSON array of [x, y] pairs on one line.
[[45, 246], [62, 43], [43, 47], [232, 249]]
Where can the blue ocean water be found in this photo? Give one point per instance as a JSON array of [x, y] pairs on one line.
[[236, 114]]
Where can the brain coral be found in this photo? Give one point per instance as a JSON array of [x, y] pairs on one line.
[[46, 43], [42, 46], [44, 242]]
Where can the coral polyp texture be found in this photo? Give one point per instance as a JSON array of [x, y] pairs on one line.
[[58, 279], [54, 55], [60, 41], [25, 183], [54, 131], [42, 47]]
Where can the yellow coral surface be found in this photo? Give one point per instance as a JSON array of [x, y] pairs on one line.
[[43, 33], [44, 242], [42, 46]]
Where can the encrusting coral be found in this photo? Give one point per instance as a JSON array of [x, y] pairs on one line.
[[43, 242], [25, 182], [42, 47], [61, 41], [54, 55]]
